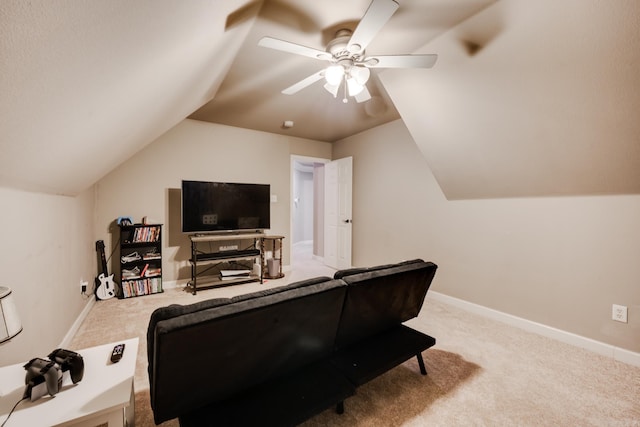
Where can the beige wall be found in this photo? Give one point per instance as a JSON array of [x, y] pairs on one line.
[[558, 261], [47, 248], [530, 98], [148, 184]]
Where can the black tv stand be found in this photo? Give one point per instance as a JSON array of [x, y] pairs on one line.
[[204, 261]]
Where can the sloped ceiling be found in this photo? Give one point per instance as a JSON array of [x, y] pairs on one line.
[[531, 99], [526, 99], [86, 84], [250, 96]]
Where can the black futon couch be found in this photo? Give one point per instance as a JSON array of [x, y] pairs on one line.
[[280, 356]]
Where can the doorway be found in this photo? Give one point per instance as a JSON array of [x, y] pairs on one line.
[[307, 211]]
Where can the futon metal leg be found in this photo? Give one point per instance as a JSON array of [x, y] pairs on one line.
[[423, 370], [340, 408]]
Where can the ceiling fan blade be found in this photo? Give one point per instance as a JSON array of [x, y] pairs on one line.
[[363, 95], [297, 49], [304, 83], [401, 61], [375, 17]]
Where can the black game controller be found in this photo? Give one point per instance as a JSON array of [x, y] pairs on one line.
[[42, 371], [69, 361]]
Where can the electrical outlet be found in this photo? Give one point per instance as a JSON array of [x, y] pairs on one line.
[[83, 286], [619, 313]]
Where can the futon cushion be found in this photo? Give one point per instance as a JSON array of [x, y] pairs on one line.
[[213, 354], [379, 299], [357, 270], [174, 310], [171, 311]]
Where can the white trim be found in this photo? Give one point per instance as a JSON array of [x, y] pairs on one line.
[[616, 353], [76, 325]]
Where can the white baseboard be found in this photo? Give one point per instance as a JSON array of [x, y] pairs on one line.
[[76, 325], [616, 353]]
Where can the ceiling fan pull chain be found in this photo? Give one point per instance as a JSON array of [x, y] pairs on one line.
[[345, 100]]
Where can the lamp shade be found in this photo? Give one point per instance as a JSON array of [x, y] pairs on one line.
[[10, 324]]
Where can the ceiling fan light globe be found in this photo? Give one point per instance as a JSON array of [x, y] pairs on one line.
[[332, 89], [354, 87], [334, 74], [360, 74]]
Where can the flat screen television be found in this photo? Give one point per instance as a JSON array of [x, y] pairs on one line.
[[224, 206]]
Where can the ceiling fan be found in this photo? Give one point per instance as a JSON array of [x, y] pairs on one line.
[[346, 54]]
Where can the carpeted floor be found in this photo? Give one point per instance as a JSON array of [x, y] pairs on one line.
[[481, 372]]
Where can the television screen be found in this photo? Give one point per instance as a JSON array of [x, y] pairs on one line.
[[224, 206]]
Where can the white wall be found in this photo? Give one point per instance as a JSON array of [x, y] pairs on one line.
[[148, 184], [47, 248], [558, 261]]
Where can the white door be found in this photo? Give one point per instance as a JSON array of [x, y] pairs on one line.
[[337, 234]]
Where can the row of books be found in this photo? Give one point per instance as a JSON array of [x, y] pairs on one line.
[[134, 288], [145, 234]]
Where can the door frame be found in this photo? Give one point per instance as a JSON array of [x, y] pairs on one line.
[[293, 159]]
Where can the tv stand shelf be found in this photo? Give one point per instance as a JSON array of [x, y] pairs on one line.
[[204, 261], [229, 255]]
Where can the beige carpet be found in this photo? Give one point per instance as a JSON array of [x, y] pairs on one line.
[[481, 372]]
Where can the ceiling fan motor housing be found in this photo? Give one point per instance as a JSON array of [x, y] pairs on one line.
[[339, 47]]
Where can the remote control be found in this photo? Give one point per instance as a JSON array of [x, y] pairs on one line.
[[116, 355]]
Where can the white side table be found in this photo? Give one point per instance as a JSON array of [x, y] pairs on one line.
[[103, 396]]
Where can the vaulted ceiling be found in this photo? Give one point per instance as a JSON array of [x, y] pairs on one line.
[[250, 96], [526, 99]]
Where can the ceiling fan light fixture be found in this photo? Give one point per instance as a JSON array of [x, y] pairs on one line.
[[360, 74], [334, 74], [354, 87], [332, 89]]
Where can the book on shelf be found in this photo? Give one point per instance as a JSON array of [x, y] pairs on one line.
[[144, 270], [153, 271]]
